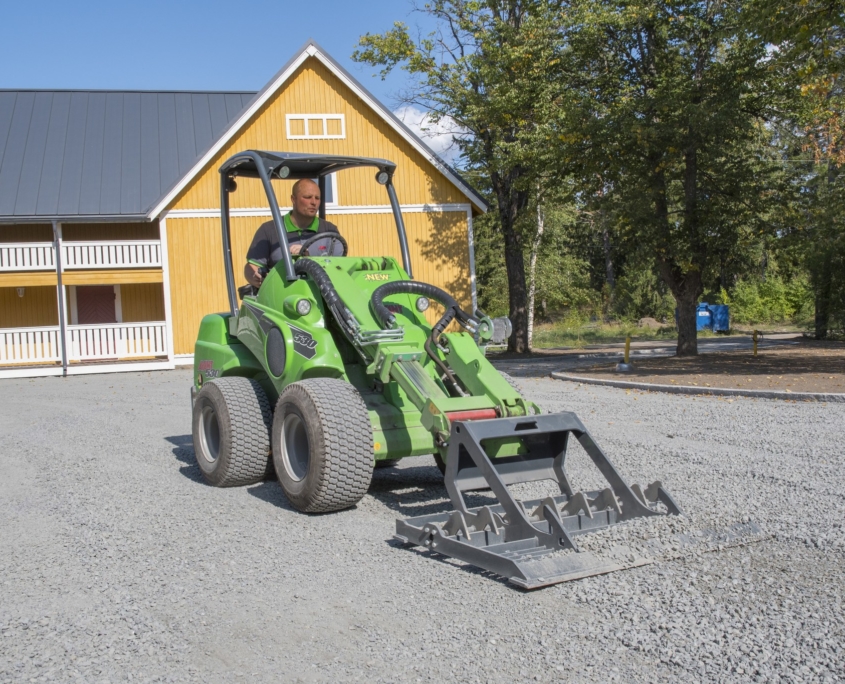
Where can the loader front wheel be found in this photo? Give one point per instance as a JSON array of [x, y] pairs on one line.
[[231, 431], [322, 445]]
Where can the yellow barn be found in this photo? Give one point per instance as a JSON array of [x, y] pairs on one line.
[[110, 247]]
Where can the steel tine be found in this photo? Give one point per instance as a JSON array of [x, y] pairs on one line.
[[577, 504]]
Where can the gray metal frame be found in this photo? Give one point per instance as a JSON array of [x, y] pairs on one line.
[[531, 543]]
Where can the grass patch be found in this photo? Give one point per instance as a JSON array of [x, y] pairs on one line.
[[566, 334]]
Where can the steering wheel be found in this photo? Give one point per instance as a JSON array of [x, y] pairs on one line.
[[324, 244]]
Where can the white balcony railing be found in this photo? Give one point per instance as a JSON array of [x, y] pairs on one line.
[[115, 341], [112, 254], [39, 256], [27, 256], [29, 345]]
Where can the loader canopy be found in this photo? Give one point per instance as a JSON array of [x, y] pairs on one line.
[[269, 166]]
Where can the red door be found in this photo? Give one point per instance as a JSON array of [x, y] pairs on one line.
[[95, 304]]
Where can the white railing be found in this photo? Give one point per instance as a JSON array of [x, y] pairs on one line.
[[112, 254], [39, 256], [116, 341], [29, 345], [85, 342], [27, 256]]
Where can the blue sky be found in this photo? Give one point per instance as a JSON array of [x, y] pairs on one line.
[[193, 45], [182, 44]]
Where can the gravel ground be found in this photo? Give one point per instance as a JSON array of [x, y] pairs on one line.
[[119, 564]]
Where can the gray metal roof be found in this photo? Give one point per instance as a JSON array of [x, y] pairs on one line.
[[97, 154]]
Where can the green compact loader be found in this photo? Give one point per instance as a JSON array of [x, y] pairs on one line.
[[331, 369]]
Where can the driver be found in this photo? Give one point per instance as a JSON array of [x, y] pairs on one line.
[[301, 224]]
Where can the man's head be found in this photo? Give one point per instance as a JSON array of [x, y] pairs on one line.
[[305, 199]]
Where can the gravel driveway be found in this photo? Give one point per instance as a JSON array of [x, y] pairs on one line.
[[119, 564]]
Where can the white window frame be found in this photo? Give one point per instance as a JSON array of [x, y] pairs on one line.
[[332, 178], [325, 118]]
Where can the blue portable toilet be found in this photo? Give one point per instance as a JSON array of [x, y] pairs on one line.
[[721, 317], [703, 317]]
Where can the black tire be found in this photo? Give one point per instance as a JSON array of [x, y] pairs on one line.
[[231, 428], [440, 463], [322, 445]]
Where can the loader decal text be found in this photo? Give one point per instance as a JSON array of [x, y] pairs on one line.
[[303, 343], [377, 276]]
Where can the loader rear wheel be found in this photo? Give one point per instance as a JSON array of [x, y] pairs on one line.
[[322, 445], [231, 431]]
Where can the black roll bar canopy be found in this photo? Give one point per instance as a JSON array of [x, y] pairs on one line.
[[267, 166]]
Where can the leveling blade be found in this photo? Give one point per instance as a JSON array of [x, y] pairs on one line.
[[532, 544]]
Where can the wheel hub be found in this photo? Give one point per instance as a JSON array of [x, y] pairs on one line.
[[210, 435], [296, 452]]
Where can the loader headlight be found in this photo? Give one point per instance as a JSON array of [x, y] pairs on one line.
[[422, 304], [303, 307], [283, 171], [382, 177]]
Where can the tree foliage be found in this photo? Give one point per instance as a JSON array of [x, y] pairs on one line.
[[492, 68], [674, 147]]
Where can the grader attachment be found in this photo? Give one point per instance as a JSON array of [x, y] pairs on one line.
[[531, 543]]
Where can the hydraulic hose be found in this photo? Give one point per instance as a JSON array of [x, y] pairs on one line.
[[388, 320], [330, 295]]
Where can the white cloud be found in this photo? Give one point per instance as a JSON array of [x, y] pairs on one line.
[[438, 136]]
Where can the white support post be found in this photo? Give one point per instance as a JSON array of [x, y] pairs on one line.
[[471, 242], [60, 294], [165, 285]]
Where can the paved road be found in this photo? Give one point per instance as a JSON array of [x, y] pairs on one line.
[[547, 362]]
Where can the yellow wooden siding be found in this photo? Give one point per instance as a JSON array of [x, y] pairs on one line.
[[437, 244], [313, 89], [37, 307], [26, 233], [94, 277], [96, 232], [197, 282], [112, 276], [28, 279], [141, 302]]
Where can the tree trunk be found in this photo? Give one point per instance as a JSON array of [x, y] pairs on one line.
[[822, 299], [532, 272], [687, 330], [608, 258], [517, 295], [510, 204], [686, 288]]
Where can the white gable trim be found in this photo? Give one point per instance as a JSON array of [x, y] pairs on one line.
[[235, 128], [271, 89]]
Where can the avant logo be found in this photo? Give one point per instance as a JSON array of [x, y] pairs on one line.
[[303, 343]]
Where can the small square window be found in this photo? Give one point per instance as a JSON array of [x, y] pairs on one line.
[[315, 126], [296, 127]]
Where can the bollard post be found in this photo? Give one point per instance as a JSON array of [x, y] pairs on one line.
[[755, 343], [625, 364]]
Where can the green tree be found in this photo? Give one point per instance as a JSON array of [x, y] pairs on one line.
[[492, 67], [808, 40], [668, 104]]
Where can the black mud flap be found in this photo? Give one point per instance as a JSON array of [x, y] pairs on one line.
[[532, 543]]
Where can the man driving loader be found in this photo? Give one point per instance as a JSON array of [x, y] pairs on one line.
[[301, 224]]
